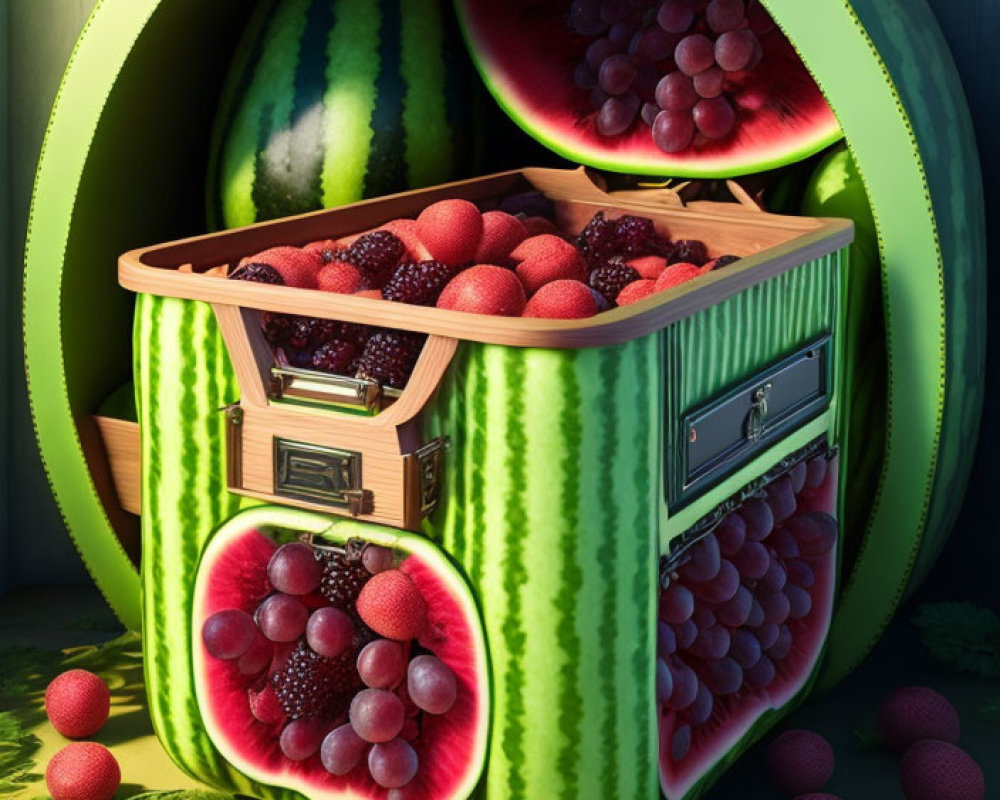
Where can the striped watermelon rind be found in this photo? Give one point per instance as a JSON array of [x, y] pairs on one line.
[[290, 780], [329, 101]]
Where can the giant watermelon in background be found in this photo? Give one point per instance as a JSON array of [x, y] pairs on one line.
[[908, 128]]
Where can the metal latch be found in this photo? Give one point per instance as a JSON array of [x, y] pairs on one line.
[[757, 414], [430, 468], [320, 388], [318, 474]]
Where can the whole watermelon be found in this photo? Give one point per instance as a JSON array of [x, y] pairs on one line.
[[330, 101]]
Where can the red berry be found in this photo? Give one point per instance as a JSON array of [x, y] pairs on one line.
[[340, 277], [83, 771], [501, 234], [77, 703], [536, 226], [913, 713], [562, 299], [546, 258], [648, 266], [636, 291], [484, 289], [406, 231], [799, 761], [451, 231], [391, 605], [298, 267], [675, 275]]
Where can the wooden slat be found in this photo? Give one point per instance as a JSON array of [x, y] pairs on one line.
[[121, 440]]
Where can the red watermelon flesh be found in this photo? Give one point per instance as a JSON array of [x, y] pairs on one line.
[[527, 52], [734, 716], [234, 575]]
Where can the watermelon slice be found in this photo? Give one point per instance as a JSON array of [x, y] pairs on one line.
[[530, 55]]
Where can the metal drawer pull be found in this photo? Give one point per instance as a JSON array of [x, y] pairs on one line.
[[757, 414]]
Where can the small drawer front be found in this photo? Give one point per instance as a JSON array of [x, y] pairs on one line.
[[723, 434], [317, 474]]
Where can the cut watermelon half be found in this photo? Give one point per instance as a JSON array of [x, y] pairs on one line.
[[526, 54]]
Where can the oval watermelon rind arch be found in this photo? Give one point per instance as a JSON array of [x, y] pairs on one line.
[[924, 332], [108, 38]]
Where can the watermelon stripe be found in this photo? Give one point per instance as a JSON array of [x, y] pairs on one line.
[[478, 392], [515, 575], [608, 559], [571, 575], [387, 156]]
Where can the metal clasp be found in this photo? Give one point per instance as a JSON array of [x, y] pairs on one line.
[[757, 414], [430, 467]]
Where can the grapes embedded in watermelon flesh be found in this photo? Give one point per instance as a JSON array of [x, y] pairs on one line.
[[311, 724], [742, 621], [564, 78]]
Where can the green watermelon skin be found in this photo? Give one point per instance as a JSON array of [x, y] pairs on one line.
[[328, 101]]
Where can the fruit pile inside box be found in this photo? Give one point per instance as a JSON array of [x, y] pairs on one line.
[[508, 261]]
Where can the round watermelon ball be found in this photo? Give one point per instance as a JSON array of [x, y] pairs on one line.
[[83, 771], [77, 703], [799, 762], [914, 713], [932, 770]]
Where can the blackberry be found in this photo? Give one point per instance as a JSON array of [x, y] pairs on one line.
[[336, 356], [257, 273], [355, 332], [309, 685], [389, 357], [419, 284], [376, 254], [312, 332], [599, 239], [689, 251], [725, 261], [342, 579], [276, 327], [634, 234], [610, 279]]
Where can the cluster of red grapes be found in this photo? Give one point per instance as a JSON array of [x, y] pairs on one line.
[[727, 617], [387, 689], [667, 63]]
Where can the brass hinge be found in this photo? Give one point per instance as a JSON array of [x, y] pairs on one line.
[[360, 501], [234, 444], [430, 470]]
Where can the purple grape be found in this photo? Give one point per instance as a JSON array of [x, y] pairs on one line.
[[649, 112], [228, 634], [709, 83], [782, 646], [282, 618], [701, 709], [710, 643], [799, 601], [758, 518], [664, 681], [724, 15], [731, 533], [714, 118], [341, 750], [584, 76], [744, 648], [734, 612], [675, 16], [816, 533], [617, 113], [781, 498], [704, 562], [722, 676], [329, 631], [694, 54], [431, 684], [734, 50], [585, 17], [675, 92], [597, 51], [760, 675], [783, 543], [815, 471], [621, 34], [393, 764], [382, 664], [703, 617], [666, 639], [258, 657], [673, 131], [613, 11], [653, 43], [722, 587], [686, 633], [685, 685], [676, 604], [756, 616], [293, 569], [301, 738], [680, 744], [753, 561], [598, 97], [376, 559], [767, 634], [758, 55], [776, 607], [377, 715], [616, 74], [800, 573]]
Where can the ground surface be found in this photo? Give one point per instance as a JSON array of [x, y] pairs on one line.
[[43, 633]]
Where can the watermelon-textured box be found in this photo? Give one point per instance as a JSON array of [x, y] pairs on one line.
[[401, 550]]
